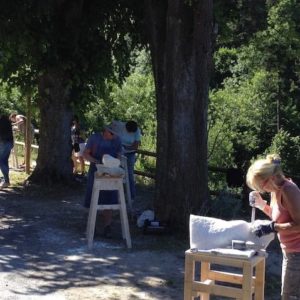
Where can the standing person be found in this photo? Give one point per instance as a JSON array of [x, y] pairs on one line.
[[266, 175], [130, 136], [97, 145], [78, 145], [6, 144], [19, 124]]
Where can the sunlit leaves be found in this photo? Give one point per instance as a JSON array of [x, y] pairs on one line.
[[262, 83], [133, 99], [288, 147]]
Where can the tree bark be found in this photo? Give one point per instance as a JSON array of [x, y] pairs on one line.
[[54, 164], [180, 38]]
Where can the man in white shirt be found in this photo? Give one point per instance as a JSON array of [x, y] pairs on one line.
[[130, 136]]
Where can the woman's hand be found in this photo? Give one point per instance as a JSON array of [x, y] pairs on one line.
[[262, 230], [255, 200]]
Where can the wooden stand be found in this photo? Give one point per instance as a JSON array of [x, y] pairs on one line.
[[107, 183], [245, 282], [126, 182]]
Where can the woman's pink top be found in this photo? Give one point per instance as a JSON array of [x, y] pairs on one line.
[[289, 241]]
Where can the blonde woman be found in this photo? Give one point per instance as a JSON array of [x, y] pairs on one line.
[[266, 176]]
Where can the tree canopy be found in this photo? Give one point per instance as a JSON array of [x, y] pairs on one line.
[[256, 83], [79, 56], [65, 50]]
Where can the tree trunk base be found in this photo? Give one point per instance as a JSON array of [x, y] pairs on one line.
[[51, 177]]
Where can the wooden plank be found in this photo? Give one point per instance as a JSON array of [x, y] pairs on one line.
[[247, 281], [108, 206], [28, 136], [220, 260], [90, 231], [249, 284], [108, 183], [219, 290], [23, 145], [226, 277], [126, 181], [205, 268], [123, 215], [224, 260], [260, 280], [145, 174], [146, 153], [189, 273]]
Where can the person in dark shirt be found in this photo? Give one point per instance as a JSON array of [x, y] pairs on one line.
[[6, 144], [97, 145]]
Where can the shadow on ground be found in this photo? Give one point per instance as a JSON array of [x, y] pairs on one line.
[[44, 255]]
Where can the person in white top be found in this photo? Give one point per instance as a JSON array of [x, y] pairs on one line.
[[130, 135]]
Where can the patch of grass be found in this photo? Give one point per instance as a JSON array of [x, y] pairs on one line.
[[17, 178]]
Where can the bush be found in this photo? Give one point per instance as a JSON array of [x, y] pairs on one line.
[[288, 147]]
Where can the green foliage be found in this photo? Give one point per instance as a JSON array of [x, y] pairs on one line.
[[133, 99], [256, 91], [277, 50], [256, 86], [10, 99], [240, 114], [224, 60], [86, 43], [288, 147], [238, 20]]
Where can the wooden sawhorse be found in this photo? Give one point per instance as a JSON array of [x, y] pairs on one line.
[[107, 183], [210, 280]]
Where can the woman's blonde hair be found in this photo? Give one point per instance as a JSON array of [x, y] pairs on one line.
[[262, 169]]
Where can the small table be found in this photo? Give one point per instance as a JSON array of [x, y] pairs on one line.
[[107, 183], [242, 285]]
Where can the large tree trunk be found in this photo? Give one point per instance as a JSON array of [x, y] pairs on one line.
[[180, 37], [54, 164]]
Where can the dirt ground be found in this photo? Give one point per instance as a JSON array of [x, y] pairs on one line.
[[44, 254]]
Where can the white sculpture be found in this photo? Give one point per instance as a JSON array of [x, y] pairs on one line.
[[110, 166], [209, 233], [110, 162]]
